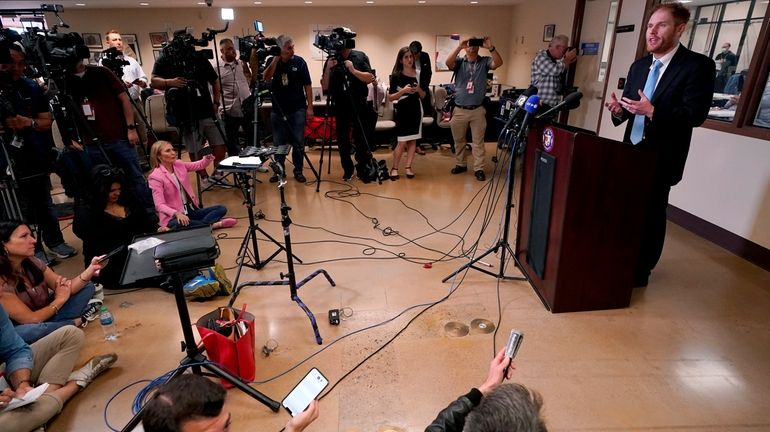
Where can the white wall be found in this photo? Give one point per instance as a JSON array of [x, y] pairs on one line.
[[727, 178], [381, 30]]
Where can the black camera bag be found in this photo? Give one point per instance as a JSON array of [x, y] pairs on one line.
[[186, 254]]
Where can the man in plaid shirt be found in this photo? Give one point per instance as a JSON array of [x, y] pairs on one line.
[[548, 67]]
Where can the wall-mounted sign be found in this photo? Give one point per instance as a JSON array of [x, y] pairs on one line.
[[624, 28], [589, 48]]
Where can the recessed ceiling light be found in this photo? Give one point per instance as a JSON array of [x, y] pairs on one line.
[[201, 3], [308, 2], [144, 4], [80, 4], [474, 2], [421, 2], [257, 2], [369, 2]]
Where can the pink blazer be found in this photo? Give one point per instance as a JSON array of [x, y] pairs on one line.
[[165, 193]]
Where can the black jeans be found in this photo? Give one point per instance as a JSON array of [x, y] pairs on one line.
[[36, 191], [232, 125], [346, 119]]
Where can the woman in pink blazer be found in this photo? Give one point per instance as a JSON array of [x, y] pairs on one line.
[[173, 195]]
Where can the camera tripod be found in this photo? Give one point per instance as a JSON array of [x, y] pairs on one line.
[[503, 245], [194, 358], [290, 277], [249, 247]]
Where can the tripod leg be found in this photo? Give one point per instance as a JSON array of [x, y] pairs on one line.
[[312, 168], [314, 274], [237, 382], [310, 316]]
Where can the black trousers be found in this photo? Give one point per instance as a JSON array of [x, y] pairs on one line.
[[654, 230], [232, 125], [40, 209], [346, 119]]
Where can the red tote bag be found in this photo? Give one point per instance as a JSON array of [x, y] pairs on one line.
[[228, 336]]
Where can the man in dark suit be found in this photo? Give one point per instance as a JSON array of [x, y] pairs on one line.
[[667, 94]]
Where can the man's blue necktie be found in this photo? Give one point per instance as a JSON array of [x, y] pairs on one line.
[[637, 131]]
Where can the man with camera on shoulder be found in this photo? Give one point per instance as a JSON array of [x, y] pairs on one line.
[[292, 103], [184, 74], [345, 77]]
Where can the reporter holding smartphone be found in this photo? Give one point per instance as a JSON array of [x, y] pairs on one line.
[[470, 87], [493, 406], [405, 90], [549, 68]]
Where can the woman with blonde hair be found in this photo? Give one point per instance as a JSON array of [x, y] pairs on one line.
[[175, 202]]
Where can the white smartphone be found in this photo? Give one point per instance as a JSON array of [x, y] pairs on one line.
[[304, 392]]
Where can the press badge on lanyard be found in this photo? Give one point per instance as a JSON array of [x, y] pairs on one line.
[[469, 87], [88, 110]]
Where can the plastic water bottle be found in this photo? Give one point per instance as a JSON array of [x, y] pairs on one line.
[[108, 324]]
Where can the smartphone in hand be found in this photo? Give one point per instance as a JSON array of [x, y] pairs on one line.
[[304, 392], [110, 254], [476, 42], [205, 151]]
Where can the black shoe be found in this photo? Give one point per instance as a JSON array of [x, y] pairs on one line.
[[274, 178], [480, 175], [459, 169], [300, 178]]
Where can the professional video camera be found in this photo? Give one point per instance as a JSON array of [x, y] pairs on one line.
[[182, 45], [257, 47], [113, 59], [339, 39]]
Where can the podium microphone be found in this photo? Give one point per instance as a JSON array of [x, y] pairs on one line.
[[570, 102], [530, 107], [531, 90]]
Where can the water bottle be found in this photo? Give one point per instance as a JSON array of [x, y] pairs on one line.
[[108, 324]]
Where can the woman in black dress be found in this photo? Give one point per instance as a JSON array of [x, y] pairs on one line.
[[405, 90]]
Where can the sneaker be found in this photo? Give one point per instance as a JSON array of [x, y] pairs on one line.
[[92, 369], [300, 178], [228, 222], [98, 292], [274, 178], [63, 251], [91, 312], [480, 175]]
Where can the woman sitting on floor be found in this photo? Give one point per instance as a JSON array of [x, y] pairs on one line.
[[36, 298], [172, 193], [114, 218]]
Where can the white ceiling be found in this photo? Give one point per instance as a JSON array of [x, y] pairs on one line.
[[101, 4]]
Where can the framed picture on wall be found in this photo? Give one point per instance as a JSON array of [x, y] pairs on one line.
[[93, 40], [548, 32], [156, 54], [95, 54], [445, 44], [131, 46], [158, 39]]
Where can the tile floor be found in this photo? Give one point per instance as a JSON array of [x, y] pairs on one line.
[[691, 353]]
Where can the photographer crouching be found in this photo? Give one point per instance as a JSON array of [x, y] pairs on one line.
[[345, 76], [184, 74]]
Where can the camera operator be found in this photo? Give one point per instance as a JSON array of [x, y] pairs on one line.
[[29, 142], [292, 103], [102, 100], [185, 81], [235, 76], [353, 66], [133, 77]]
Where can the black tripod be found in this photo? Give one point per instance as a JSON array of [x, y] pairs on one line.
[[194, 358], [249, 246], [288, 278], [503, 244]]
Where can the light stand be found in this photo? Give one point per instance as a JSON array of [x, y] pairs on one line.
[[503, 244], [194, 358], [249, 246], [288, 278]]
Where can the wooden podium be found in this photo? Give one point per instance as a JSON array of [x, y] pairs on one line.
[[580, 217]]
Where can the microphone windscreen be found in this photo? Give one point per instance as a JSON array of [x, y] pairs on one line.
[[531, 90], [573, 98], [532, 104]]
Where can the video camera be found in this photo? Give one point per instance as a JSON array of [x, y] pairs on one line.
[[339, 39], [113, 59], [182, 46], [48, 54], [259, 45]]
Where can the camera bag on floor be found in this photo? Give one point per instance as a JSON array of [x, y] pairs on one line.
[[228, 336], [186, 254]]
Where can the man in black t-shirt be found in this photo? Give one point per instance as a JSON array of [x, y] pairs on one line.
[[292, 103], [190, 103], [357, 71]]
